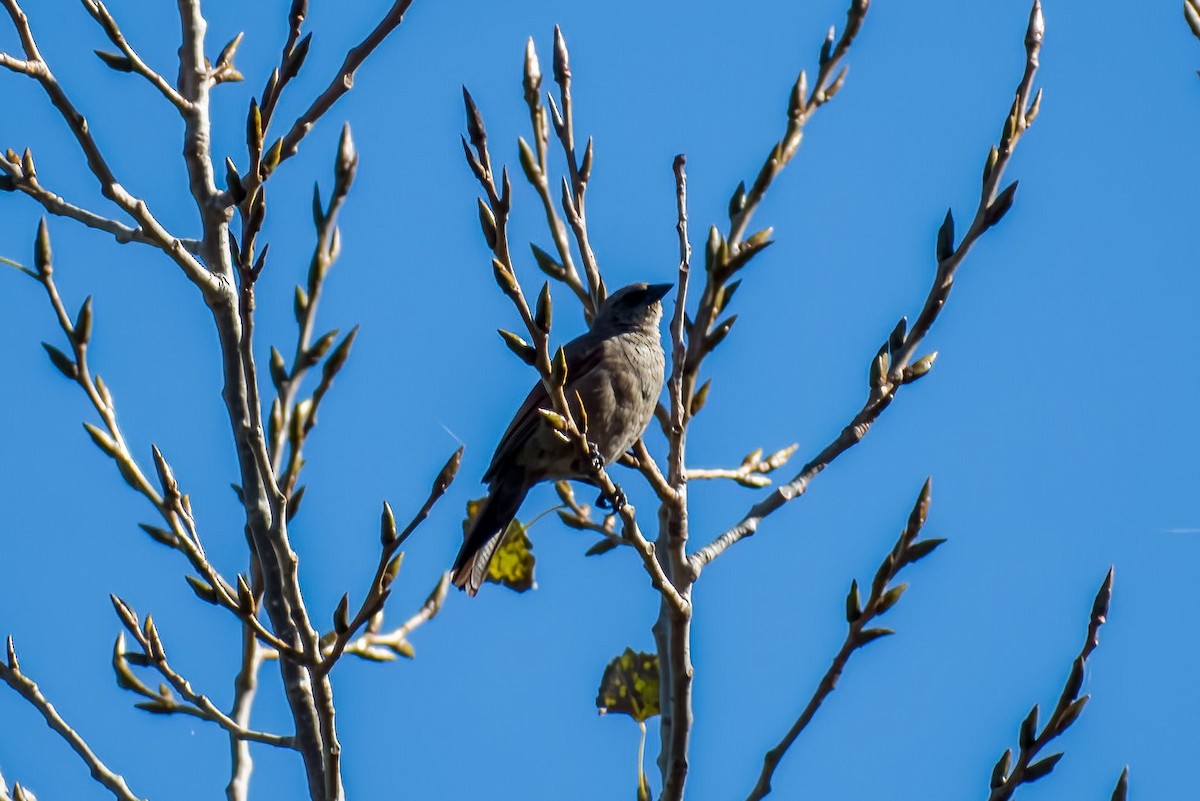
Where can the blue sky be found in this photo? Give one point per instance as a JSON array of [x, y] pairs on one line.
[[1058, 424]]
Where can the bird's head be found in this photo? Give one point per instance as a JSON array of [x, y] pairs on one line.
[[636, 306]]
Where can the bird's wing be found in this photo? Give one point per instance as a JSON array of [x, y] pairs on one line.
[[583, 354]]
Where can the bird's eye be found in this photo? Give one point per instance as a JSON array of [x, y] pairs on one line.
[[635, 298]]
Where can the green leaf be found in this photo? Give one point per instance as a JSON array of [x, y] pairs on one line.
[[630, 686]]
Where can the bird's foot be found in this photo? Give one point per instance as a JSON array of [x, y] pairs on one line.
[[616, 501], [595, 458]]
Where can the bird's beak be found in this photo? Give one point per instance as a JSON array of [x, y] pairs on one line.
[[658, 291]]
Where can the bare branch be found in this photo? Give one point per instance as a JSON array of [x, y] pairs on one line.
[[56, 205], [389, 565], [753, 470], [1007, 777], [11, 674], [894, 365], [675, 621], [163, 701], [287, 429], [578, 173], [36, 68], [245, 690], [344, 80], [537, 173], [882, 598], [135, 64], [380, 647]]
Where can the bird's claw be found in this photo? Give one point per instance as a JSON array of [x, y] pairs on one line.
[[616, 501], [597, 461]]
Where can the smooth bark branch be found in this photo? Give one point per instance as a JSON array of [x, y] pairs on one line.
[[11, 674], [882, 598], [900, 368], [268, 534], [36, 68], [538, 175], [1007, 777], [344, 80], [56, 205], [102, 16], [380, 588], [245, 691], [675, 621]]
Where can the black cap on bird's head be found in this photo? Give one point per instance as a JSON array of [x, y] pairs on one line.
[[633, 305]]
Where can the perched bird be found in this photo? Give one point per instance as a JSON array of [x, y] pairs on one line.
[[616, 369]]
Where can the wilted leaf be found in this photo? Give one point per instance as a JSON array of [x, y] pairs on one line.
[[630, 686]]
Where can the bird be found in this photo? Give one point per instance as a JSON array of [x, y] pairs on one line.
[[616, 370]]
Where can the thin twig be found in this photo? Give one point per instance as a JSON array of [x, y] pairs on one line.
[[894, 366], [371, 644], [535, 166], [11, 674], [135, 64], [344, 80], [753, 470], [1006, 777], [196, 704], [37, 68], [882, 598], [385, 571]]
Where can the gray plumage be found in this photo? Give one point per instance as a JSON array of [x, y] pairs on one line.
[[617, 370]]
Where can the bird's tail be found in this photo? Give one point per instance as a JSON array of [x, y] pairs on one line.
[[486, 533]]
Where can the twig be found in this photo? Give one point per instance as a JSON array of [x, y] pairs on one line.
[[1007, 777], [291, 423], [372, 644], [389, 564], [36, 67], [245, 690], [163, 701], [11, 674], [134, 62], [344, 80], [56, 205], [574, 187], [893, 366], [537, 173], [882, 598], [753, 470], [172, 504]]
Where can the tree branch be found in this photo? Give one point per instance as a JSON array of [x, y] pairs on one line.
[[388, 567], [134, 62], [893, 366], [11, 675], [36, 68], [344, 80], [1006, 777], [163, 701], [906, 551]]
